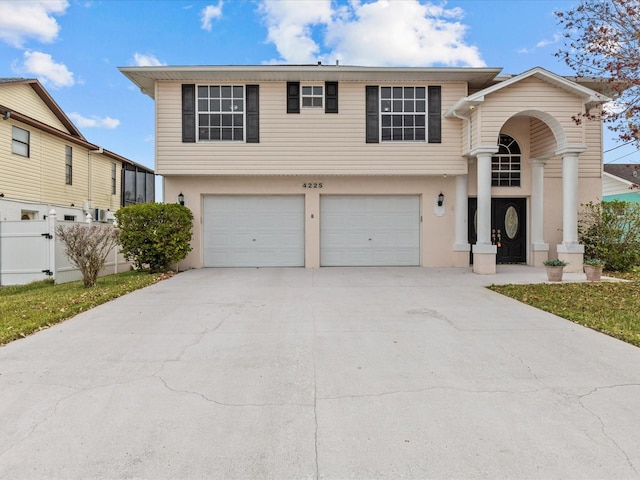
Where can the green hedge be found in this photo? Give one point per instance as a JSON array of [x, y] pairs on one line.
[[155, 235], [610, 231]]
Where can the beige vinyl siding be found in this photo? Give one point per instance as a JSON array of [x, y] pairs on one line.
[[527, 95], [310, 142], [22, 98], [41, 176], [101, 196]]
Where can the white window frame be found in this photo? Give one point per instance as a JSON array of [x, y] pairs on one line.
[[403, 114], [221, 109], [68, 165], [18, 145], [312, 95], [506, 165], [114, 178]]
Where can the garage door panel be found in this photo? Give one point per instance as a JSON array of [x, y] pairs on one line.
[[369, 230], [253, 231]]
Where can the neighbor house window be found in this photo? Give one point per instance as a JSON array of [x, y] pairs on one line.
[[403, 114], [68, 169], [505, 165], [220, 112], [20, 143], [113, 178], [312, 96]]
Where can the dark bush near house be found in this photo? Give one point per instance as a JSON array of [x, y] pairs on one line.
[[87, 247], [155, 235], [610, 231]]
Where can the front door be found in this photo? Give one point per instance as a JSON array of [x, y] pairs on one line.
[[508, 228]]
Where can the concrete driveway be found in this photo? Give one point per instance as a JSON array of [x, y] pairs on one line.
[[332, 373]]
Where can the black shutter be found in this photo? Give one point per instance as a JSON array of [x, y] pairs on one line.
[[188, 113], [372, 114], [293, 97], [435, 116], [253, 114], [330, 97]]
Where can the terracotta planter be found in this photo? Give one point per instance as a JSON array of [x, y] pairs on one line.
[[554, 274], [593, 272]]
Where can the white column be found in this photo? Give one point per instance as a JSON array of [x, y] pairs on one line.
[[462, 214], [484, 199], [537, 203], [570, 199], [570, 251], [484, 253]]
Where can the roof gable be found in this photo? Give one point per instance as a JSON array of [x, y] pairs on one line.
[[46, 99], [591, 97]]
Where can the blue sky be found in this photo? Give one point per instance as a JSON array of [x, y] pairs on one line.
[[75, 46]]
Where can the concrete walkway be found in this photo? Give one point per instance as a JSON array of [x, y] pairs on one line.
[[331, 373]]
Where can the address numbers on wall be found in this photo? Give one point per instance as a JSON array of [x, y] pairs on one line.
[[312, 185]]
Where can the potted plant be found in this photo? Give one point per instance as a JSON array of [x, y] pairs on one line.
[[555, 268], [593, 269]]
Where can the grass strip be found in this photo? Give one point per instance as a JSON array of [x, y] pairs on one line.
[[612, 308], [25, 309]]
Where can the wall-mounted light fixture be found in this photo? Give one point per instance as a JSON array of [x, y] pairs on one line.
[[181, 199], [7, 115], [440, 199]]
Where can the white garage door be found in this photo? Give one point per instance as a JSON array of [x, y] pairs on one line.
[[253, 231], [375, 230]]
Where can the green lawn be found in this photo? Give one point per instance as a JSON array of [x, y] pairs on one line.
[[608, 307], [25, 309]]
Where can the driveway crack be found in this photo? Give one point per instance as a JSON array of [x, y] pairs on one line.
[[228, 404], [603, 428]]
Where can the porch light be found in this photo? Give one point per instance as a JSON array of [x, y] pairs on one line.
[[181, 199], [440, 199]]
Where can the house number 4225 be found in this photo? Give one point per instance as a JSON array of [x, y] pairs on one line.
[[312, 185]]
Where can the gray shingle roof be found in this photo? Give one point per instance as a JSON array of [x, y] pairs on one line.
[[626, 171]]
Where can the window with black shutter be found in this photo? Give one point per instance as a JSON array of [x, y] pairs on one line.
[[293, 97], [331, 97]]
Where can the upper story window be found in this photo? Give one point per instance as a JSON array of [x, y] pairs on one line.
[[113, 178], [68, 165], [220, 112], [505, 165], [312, 96], [403, 114], [20, 141]]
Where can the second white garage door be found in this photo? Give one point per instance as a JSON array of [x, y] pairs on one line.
[[253, 231], [373, 230]]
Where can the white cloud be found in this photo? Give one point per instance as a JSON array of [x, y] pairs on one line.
[[290, 23], [380, 32], [20, 20], [48, 72], [210, 13], [94, 121], [557, 37], [142, 60]]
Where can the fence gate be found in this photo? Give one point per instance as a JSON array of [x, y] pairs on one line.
[[26, 251]]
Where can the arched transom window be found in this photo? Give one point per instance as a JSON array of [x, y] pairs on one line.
[[505, 165]]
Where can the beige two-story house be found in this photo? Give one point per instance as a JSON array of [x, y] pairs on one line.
[[48, 164], [322, 165]]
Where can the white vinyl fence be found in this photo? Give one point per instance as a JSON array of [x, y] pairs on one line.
[[31, 251]]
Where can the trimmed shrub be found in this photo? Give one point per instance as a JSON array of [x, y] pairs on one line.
[[87, 247], [610, 231], [155, 235]]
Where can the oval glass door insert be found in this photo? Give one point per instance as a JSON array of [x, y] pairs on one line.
[[511, 222]]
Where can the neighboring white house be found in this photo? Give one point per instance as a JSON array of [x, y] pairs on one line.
[[621, 182], [47, 162], [315, 165]]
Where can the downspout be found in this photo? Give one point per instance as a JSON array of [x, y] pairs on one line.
[[461, 117]]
